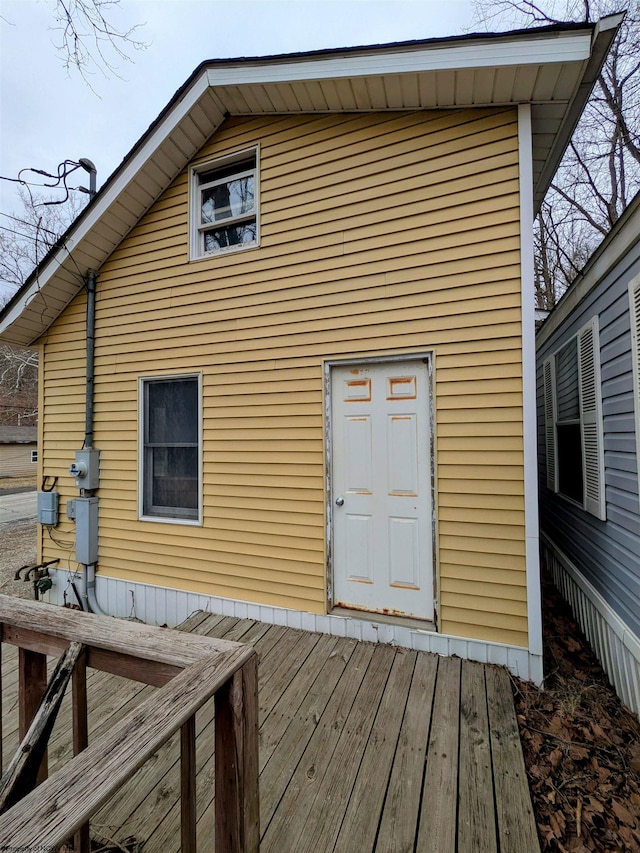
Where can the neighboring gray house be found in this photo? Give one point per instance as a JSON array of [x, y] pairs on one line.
[[588, 364], [18, 451]]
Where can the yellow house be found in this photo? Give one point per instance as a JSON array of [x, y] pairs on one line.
[[287, 352]]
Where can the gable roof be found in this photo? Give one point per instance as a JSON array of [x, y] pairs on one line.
[[18, 434], [552, 68]]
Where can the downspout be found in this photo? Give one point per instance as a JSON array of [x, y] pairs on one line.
[[89, 574]]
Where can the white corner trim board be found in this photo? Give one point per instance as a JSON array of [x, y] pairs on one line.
[[529, 403], [614, 644], [158, 605]]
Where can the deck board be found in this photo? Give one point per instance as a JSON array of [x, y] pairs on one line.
[[476, 817], [438, 814], [362, 748], [399, 820]]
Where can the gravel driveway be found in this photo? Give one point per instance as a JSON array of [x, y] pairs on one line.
[[17, 548]]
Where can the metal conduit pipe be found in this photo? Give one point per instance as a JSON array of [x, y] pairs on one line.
[[91, 350], [89, 575]]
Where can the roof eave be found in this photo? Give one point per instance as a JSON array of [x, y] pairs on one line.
[[34, 308], [604, 33]]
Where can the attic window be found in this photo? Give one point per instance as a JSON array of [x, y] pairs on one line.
[[225, 205]]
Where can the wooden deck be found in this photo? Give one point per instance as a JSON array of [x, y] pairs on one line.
[[362, 748]]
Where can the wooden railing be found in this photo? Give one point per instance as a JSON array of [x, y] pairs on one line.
[[188, 669]]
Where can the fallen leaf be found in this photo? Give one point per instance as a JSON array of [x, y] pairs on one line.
[[555, 758], [598, 731], [622, 813], [579, 753]]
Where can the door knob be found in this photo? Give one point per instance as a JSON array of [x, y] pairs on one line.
[[339, 501]]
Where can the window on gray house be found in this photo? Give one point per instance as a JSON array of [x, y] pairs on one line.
[[574, 440], [568, 431]]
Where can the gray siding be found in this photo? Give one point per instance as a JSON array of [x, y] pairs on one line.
[[606, 552]]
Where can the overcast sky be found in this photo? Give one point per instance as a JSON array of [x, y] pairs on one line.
[[49, 114]]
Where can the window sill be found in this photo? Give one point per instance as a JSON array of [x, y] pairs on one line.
[[164, 519], [223, 253]]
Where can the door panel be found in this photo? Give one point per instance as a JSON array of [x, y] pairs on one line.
[[381, 482]]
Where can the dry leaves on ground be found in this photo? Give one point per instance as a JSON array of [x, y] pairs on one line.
[[581, 746]]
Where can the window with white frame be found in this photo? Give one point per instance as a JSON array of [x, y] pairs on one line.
[[224, 211], [170, 441], [573, 421], [34, 455]]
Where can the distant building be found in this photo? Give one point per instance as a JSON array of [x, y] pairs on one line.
[[18, 451]]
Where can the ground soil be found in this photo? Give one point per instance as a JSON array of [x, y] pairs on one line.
[[581, 745], [17, 543]]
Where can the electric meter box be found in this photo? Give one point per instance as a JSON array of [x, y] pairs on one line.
[[86, 469], [48, 508], [87, 530]]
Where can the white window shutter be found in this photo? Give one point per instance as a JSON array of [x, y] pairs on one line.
[[591, 419], [634, 300], [550, 423]]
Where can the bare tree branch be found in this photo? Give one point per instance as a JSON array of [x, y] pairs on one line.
[[600, 172], [88, 36]]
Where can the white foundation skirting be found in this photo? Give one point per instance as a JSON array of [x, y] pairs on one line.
[[158, 605], [616, 647]]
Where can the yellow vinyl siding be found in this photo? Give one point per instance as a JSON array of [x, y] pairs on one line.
[[380, 234], [62, 422]]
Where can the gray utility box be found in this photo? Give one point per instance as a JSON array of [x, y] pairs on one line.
[[48, 508], [86, 530], [86, 469]]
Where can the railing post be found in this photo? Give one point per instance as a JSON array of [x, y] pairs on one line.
[[236, 781], [82, 838], [188, 786], [32, 679]]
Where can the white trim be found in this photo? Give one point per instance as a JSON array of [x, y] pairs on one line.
[[158, 605], [564, 47], [529, 402], [111, 195], [217, 90], [614, 644], [634, 319], [162, 519]]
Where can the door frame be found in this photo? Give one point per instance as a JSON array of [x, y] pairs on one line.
[[428, 357]]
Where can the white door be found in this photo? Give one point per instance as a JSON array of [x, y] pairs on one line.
[[381, 488]]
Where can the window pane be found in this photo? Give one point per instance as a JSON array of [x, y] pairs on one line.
[[570, 461], [231, 235], [174, 480], [567, 382], [172, 412], [233, 198]]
